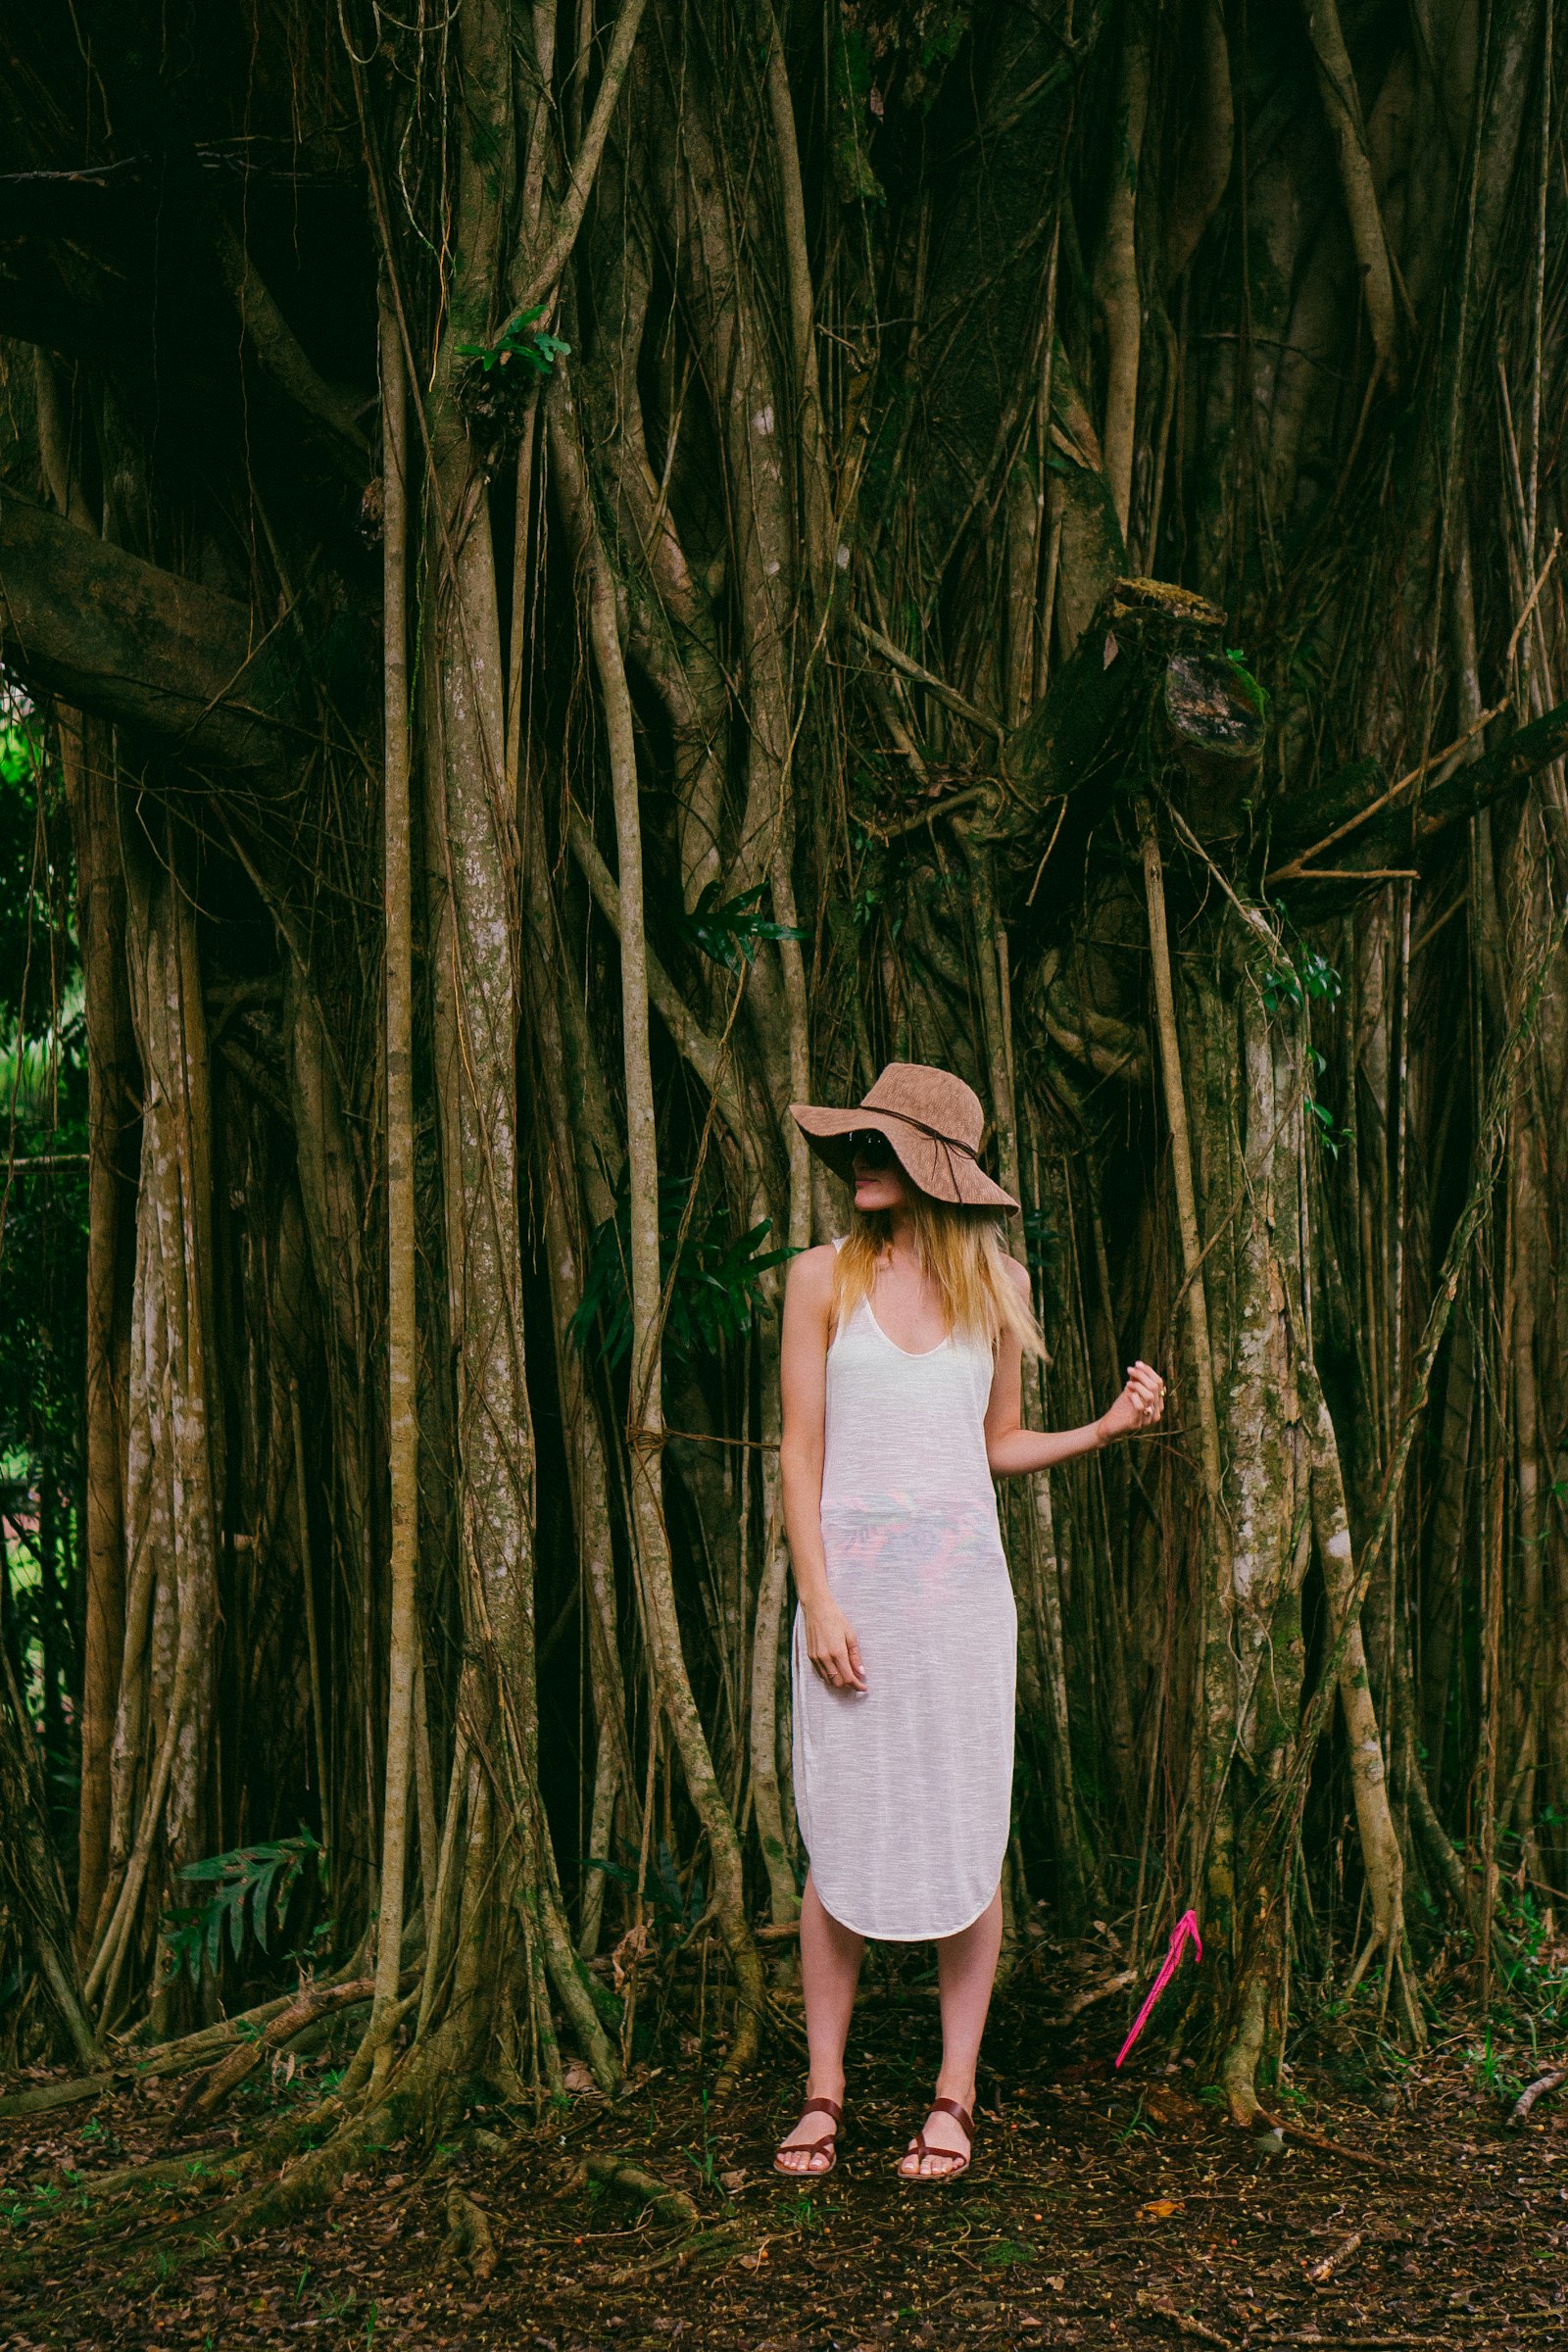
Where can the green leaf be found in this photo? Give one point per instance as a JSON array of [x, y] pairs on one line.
[[731, 931], [717, 1294], [250, 1884]]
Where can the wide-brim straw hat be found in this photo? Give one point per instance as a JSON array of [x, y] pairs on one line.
[[934, 1123]]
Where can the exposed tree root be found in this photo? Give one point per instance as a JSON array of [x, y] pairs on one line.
[[179, 2057], [1182, 2321], [704, 2249], [619, 2172], [418, 2102], [45, 2095], [1239, 2064], [1552, 2079], [310, 2003], [468, 2237], [191, 2171], [1336, 2147]]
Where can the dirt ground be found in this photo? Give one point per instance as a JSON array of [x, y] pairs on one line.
[[1101, 2209]]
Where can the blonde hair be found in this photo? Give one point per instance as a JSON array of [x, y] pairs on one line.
[[959, 1249]]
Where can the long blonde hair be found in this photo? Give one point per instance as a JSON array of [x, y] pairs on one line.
[[959, 1249]]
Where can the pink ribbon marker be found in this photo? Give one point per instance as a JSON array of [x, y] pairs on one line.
[[1184, 1933]]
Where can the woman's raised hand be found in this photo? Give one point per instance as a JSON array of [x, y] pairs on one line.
[[1139, 1406], [832, 1649]]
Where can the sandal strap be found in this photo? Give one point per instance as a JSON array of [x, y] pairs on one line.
[[805, 2147], [953, 2158], [823, 2107], [961, 2116]]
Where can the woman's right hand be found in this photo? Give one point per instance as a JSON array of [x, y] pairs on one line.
[[832, 1647]]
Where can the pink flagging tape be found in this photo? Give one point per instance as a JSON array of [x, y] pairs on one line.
[[1184, 1933]]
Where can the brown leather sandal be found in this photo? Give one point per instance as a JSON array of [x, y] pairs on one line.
[[812, 2147], [952, 2163]]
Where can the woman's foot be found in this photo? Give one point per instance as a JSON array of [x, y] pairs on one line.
[[810, 2147], [941, 2146]]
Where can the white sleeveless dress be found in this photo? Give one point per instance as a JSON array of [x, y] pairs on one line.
[[904, 1793]]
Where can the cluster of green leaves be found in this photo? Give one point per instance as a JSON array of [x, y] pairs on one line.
[[251, 1887], [1308, 978], [535, 347], [731, 930], [717, 1291]]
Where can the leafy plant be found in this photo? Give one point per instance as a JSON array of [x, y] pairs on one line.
[[536, 348], [1328, 1135], [250, 1887], [1309, 977], [718, 1277], [705, 2166], [1257, 693], [730, 931]]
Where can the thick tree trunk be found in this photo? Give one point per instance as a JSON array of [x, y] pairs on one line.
[[160, 1811]]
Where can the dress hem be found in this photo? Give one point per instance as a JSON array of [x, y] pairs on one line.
[[921, 1935]]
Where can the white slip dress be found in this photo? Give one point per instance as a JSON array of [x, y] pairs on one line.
[[905, 1794]]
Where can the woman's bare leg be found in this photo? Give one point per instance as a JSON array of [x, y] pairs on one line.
[[966, 1968], [830, 1968]]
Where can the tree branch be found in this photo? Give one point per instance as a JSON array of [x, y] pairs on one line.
[[284, 358], [569, 219], [138, 644], [1394, 820]]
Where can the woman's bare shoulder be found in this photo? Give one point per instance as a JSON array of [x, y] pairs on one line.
[[810, 1274], [1018, 1275]]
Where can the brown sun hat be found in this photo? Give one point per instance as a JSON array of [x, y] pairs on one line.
[[934, 1123]]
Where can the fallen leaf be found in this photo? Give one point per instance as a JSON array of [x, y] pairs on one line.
[[1160, 2210]]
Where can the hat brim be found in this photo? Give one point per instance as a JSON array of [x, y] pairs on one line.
[[940, 1170]]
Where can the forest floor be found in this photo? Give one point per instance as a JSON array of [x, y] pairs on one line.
[[1101, 2209]]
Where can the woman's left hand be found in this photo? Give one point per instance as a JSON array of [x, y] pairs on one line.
[[1138, 1407]]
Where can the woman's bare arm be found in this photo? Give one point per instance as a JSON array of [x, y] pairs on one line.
[[802, 1373], [1011, 1449]]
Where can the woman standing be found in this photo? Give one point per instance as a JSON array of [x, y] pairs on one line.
[[902, 1350]]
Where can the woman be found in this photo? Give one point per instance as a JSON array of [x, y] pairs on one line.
[[902, 1350]]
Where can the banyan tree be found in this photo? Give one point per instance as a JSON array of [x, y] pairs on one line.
[[574, 576]]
